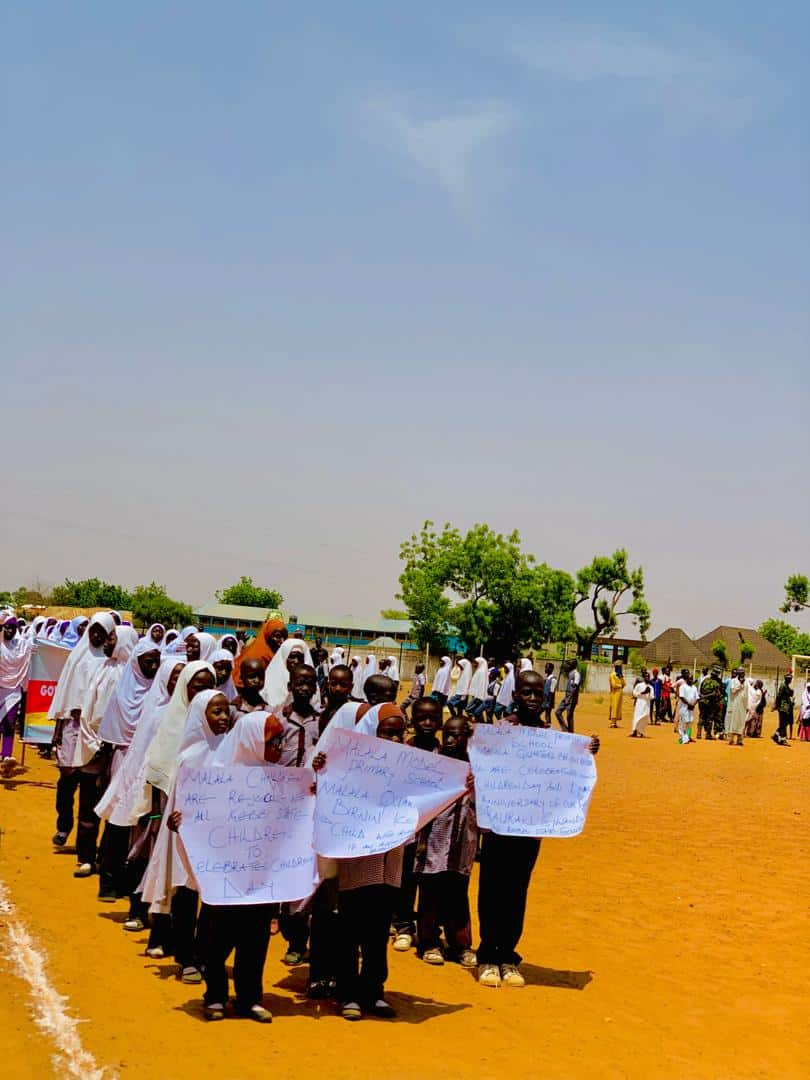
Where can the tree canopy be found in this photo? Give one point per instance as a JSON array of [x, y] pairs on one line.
[[788, 639], [797, 593], [719, 651], [483, 586], [151, 603], [245, 593], [602, 587], [91, 592]]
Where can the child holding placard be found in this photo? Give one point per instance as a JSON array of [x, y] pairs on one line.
[[507, 863], [445, 853], [367, 889]]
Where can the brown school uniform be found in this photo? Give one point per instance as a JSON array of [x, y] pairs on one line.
[[445, 854]]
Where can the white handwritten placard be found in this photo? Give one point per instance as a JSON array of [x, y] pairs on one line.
[[247, 831], [373, 795], [531, 781]]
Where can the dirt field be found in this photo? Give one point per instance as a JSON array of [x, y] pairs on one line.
[[669, 940]]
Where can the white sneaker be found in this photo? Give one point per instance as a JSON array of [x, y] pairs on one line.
[[489, 975], [510, 976], [403, 942]]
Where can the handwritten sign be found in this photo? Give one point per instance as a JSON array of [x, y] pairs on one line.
[[373, 795], [531, 781], [247, 831]]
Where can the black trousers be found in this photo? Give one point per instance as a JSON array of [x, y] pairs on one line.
[[569, 708], [506, 870], [87, 832], [184, 927], [365, 918], [785, 722], [245, 929], [324, 929], [405, 904], [113, 850], [294, 927], [444, 905]]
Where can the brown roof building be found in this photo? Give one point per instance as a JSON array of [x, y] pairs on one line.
[[674, 646], [766, 656]]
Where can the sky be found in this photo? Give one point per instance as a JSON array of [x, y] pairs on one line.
[[280, 282]]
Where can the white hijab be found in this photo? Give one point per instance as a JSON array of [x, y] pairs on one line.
[[463, 684], [15, 656], [227, 688], [369, 667], [336, 656], [244, 744], [393, 669], [480, 680], [525, 664], [101, 684], [128, 699], [357, 684], [168, 867], [128, 796], [161, 757], [177, 647], [208, 645], [441, 680], [277, 677], [507, 689], [79, 666]]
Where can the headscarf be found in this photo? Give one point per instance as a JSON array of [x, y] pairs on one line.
[[227, 688], [165, 645], [35, 627], [441, 680], [75, 677], [15, 657], [101, 683], [71, 637], [208, 645], [277, 677], [234, 639], [393, 669], [245, 742], [525, 664], [128, 699], [161, 757], [463, 684], [260, 648], [128, 796], [804, 708], [336, 656], [148, 634], [480, 680], [357, 683], [369, 667], [507, 689], [168, 867], [177, 647]]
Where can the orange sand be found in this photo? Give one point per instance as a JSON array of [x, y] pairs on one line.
[[669, 940]]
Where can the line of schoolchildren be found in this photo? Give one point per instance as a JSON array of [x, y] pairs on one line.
[[143, 710]]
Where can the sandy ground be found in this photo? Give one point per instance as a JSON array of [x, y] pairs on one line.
[[669, 940]]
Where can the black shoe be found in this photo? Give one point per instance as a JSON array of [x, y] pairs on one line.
[[382, 1009], [108, 896], [59, 839], [320, 990]]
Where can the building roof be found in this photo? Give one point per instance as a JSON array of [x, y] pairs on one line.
[[372, 624], [766, 656], [238, 612], [675, 646]]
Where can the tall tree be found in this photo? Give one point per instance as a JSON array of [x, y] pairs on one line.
[[485, 587], [719, 651], [245, 593], [788, 639], [151, 603], [797, 593], [603, 586], [91, 592]]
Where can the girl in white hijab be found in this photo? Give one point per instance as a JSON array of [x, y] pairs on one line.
[[357, 678], [161, 757], [525, 664], [168, 871], [478, 689], [222, 660], [336, 656], [504, 699], [100, 688], [458, 702], [200, 646], [15, 658], [441, 681], [393, 670], [277, 677], [177, 646], [66, 708]]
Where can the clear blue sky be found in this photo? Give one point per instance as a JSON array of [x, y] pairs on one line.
[[281, 281]]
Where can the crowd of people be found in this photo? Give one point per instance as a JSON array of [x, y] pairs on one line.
[[715, 708], [129, 709]]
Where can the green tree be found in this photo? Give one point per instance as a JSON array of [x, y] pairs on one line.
[[6, 599], [719, 651], [91, 593], [788, 639], [482, 584], [393, 613], [30, 594], [246, 594], [151, 603], [602, 586], [797, 593], [746, 652]]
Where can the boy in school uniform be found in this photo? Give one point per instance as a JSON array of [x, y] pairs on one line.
[[417, 690], [507, 863], [445, 854], [367, 888], [249, 699], [549, 694], [426, 717]]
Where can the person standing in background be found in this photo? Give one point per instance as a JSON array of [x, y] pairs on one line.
[[616, 694]]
